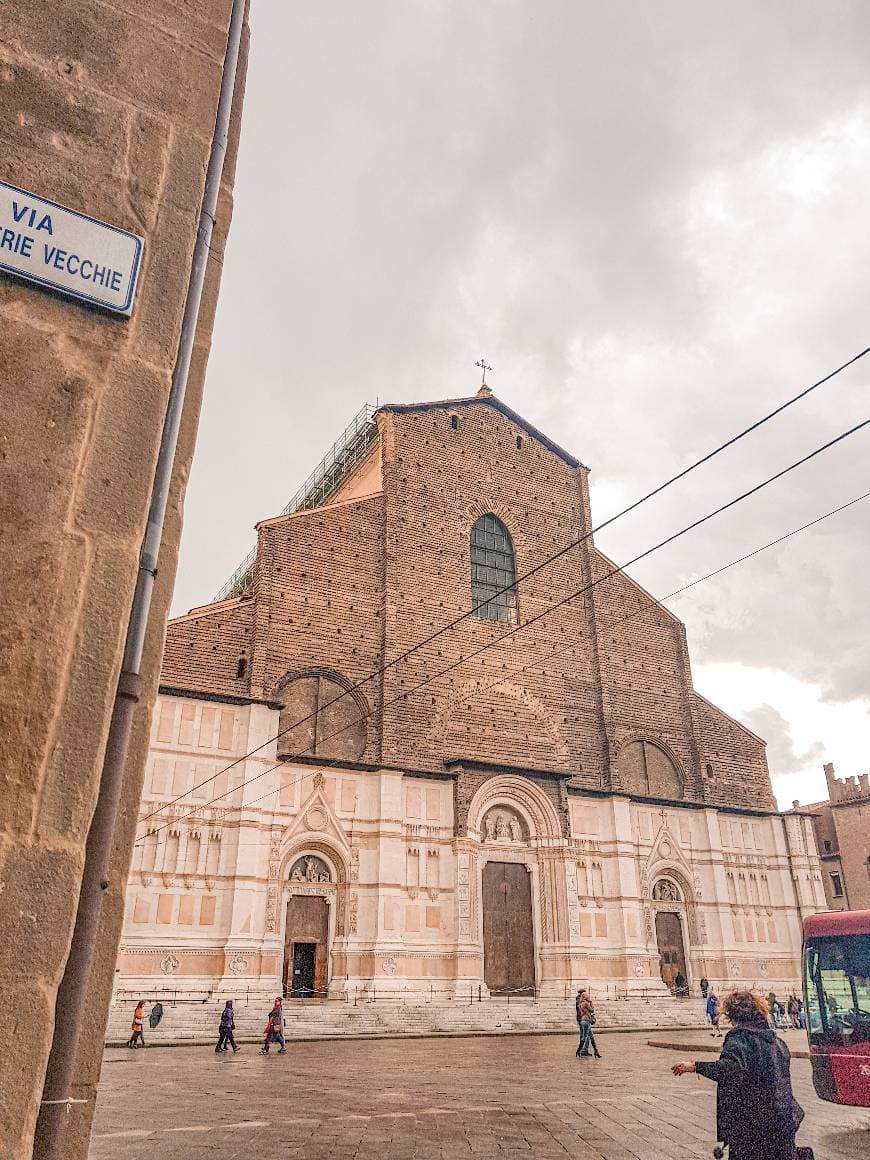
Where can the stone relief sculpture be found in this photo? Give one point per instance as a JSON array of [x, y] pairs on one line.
[[666, 891], [501, 825], [310, 869]]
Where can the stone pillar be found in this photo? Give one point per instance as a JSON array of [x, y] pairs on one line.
[[110, 113]]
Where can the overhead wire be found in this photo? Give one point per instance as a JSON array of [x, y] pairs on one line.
[[532, 571], [538, 616], [651, 603]]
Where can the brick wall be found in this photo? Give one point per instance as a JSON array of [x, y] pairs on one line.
[[319, 597], [205, 648], [346, 586], [641, 654], [737, 772], [853, 837]]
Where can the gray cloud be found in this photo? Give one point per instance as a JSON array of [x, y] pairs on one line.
[[651, 219], [782, 758]]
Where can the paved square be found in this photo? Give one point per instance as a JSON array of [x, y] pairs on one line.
[[429, 1099]]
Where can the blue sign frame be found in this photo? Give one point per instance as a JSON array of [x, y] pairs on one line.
[[66, 290]]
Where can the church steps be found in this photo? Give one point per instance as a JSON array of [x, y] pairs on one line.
[[197, 1023]]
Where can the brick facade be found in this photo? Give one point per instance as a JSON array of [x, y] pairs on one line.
[[356, 583], [842, 830], [574, 747]]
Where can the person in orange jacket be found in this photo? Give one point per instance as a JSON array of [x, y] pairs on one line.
[[137, 1039]]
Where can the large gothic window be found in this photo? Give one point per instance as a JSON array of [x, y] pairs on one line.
[[492, 570]]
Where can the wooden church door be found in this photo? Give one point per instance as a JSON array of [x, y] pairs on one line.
[[508, 936]]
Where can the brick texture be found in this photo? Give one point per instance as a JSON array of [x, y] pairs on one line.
[[842, 830], [352, 585]]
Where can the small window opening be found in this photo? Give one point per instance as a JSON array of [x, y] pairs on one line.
[[454, 422], [827, 846], [837, 884], [242, 666], [709, 769], [519, 442]]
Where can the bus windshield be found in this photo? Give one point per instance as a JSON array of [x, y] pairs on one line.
[[837, 974]]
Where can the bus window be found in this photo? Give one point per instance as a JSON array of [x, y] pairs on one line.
[[837, 973]]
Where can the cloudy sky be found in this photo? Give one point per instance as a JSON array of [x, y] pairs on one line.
[[651, 218]]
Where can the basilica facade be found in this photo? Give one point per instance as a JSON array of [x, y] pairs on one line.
[[342, 796]]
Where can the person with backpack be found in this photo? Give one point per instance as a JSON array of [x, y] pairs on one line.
[[585, 1012], [137, 1039], [227, 1027], [757, 1115]]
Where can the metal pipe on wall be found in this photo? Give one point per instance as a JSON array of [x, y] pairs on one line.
[[72, 992]]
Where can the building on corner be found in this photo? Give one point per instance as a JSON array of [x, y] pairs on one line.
[[842, 829], [530, 800]]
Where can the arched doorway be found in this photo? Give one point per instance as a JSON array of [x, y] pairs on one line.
[[306, 929], [669, 934], [506, 893]]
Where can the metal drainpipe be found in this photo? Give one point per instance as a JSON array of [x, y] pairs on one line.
[[56, 1095]]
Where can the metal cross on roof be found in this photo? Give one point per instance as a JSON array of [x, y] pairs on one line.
[[484, 368]]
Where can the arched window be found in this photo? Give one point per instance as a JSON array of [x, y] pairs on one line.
[[492, 570], [320, 718], [644, 769]]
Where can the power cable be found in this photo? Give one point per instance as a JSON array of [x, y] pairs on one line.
[[651, 603], [545, 612], [533, 571]]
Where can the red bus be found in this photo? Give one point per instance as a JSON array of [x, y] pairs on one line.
[[837, 1004]]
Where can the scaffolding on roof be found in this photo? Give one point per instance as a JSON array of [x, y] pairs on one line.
[[346, 452]]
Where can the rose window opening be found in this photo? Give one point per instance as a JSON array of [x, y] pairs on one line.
[[310, 869], [503, 825], [666, 891]]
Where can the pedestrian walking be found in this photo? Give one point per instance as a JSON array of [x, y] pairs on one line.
[[228, 1025], [771, 1006], [705, 987], [796, 1010], [713, 1012], [757, 1115], [137, 1039], [585, 1011], [275, 1029]]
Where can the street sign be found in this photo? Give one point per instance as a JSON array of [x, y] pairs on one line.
[[75, 254]]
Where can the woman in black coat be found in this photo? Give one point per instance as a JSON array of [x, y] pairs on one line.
[[756, 1112]]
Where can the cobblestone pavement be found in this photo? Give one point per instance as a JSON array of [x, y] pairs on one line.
[[429, 1099]]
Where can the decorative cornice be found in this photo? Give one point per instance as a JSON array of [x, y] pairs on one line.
[[472, 764], [223, 698]]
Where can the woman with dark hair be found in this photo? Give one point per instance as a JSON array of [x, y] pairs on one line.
[[756, 1113]]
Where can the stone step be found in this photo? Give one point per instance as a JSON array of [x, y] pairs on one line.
[[199, 1022]]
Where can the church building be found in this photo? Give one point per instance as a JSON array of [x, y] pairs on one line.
[[378, 765]]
